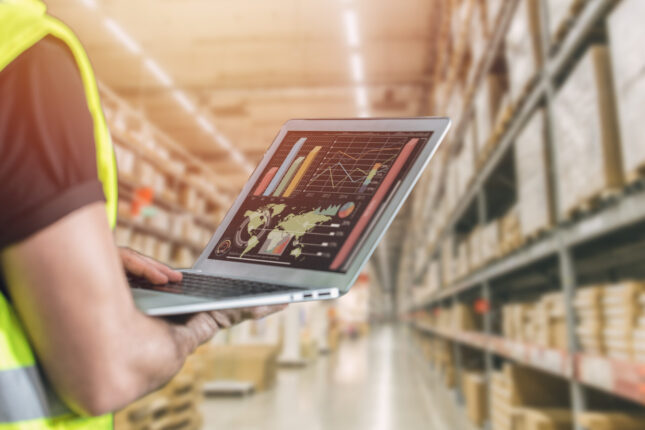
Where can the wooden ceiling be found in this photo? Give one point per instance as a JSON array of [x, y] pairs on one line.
[[250, 65]]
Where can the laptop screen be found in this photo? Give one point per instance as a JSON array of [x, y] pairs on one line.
[[318, 198]]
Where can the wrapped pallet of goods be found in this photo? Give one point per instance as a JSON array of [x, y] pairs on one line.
[[586, 132], [611, 421], [620, 314], [490, 100], [589, 331], [522, 47], [626, 35], [532, 182]]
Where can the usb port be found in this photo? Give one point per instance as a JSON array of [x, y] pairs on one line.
[[308, 296], [324, 294]]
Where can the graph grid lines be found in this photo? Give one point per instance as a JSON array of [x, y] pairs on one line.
[[353, 165]]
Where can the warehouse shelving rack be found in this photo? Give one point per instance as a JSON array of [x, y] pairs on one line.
[[217, 200], [626, 380]]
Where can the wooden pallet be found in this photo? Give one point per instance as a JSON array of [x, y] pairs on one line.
[[593, 203]]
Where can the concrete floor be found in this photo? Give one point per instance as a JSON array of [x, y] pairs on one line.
[[374, 383]]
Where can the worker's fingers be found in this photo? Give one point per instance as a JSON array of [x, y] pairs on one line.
[[173, 275], [221, 319], [138, 266], [259, 312]]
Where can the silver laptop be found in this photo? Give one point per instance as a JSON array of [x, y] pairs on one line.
[[309, 217]]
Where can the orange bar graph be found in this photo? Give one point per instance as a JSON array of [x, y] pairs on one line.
[[265, 181], [301, 172]]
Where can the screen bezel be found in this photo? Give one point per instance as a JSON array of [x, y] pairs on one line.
[[316, 279]]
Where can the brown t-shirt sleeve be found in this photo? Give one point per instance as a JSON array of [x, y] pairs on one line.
[[47, 153]]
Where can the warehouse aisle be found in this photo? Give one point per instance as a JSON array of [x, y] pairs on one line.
[[373, 383]]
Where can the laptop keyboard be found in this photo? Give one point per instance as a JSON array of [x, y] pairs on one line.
[[194, 284]]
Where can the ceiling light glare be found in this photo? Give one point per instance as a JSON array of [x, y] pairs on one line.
[[159, 73], [223, 141], [351, 28], [205, 124], [184, 101], [122, 36], [90, 4], [357, 67], [361, 96]]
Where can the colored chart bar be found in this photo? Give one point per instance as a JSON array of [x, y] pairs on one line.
[[265, 181], [373, 205], [301, 172], [285, 165], [288, 177], [370, 176]]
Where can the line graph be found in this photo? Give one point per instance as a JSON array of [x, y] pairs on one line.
[[353, 166]]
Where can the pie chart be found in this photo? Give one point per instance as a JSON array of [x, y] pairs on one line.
[[346, 209]]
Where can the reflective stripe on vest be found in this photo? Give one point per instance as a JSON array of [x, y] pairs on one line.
[[26, 402]]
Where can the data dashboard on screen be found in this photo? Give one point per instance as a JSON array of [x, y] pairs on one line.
[[318, 198]]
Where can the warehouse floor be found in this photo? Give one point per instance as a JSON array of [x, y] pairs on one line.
[[374, 383]]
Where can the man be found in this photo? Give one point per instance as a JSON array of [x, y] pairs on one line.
[[64, 296]]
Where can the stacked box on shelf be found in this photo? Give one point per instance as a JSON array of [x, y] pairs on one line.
[[522, 47], [611, 421], [516, 389], [475, 247], [532, 180], [620, 313], [464, 318], [626, 34], [518, 322], [475, 394], [490, 242], [639, 331], [550, 318], [448, 266], [462, 265], [588, 306], [510, 231], [543, 419], [586, 133]]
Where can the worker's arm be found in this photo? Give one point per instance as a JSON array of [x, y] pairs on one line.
[[68, 287]]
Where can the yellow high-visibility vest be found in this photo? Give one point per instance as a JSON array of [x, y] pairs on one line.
[[26, 400]]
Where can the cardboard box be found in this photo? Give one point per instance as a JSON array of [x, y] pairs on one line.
[[476, 397], [626, 35], [249, 363], [586, 132], [545, 419], [611, 421]]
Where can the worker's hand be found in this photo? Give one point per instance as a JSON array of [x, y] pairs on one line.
[[230, 317], [152, 270]]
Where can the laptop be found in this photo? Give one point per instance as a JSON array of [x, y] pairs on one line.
[[309, 217]]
